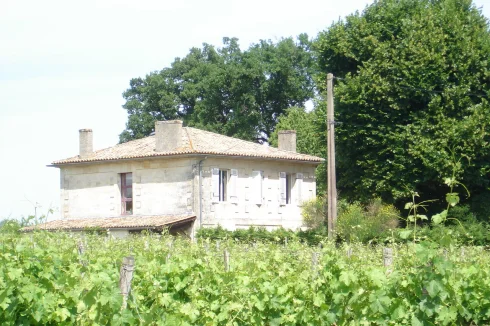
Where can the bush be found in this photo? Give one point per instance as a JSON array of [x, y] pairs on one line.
[[480, 206], [252, 234], [314, 212], [462, 213], [365, 224], [467, 233], [9, 226]]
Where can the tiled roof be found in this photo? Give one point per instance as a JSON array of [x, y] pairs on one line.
[[194, 141], [129, 222]]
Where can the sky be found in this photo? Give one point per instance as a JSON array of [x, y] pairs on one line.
[[64, 65]]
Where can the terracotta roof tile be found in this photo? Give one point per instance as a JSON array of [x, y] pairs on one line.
[[194, 141], [129, 222]]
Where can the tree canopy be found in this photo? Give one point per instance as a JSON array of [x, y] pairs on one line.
[[411, 91], [411, 94], [225, 90], [310, 135]]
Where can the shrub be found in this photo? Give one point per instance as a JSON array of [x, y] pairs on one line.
[[364, 224], [382, 217], [480, 206], [252, 234], [464, 233], [9, 226], [462, 213], [314, 212]]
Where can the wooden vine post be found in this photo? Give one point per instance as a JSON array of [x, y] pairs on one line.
[[349, 253], [314, 263], [226, 256], [81, 248], [125, 277], [387, 257]]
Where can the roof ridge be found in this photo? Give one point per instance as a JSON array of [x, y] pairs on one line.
[[247, 141], [195, 141], [126, 142], [189, 137]]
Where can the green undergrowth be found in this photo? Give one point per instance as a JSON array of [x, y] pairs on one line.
[[253, 234], [465, 233], [44, 280]]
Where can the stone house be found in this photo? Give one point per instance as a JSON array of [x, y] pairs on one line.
[[183, 177]]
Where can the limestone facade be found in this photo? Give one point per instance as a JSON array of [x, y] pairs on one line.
[[236, 192]]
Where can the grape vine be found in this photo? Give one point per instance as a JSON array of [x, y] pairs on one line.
[[46, 279]]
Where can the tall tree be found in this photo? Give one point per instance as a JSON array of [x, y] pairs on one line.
[[225, 90], [411, 97], [310, 134]]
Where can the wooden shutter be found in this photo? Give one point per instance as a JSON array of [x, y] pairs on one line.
[[215, 185], [232, 186], [282, 188], [298, 185], [257, 187]]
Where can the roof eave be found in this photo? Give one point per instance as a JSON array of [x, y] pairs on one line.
[[314, 162], [128, 228]]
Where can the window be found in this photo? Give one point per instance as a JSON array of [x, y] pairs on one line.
[[289, 188], [223, 184], [257, 177], [126, 193]]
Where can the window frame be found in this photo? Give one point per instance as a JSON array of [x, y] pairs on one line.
[[124, 199], [290, 182], [223, 181]]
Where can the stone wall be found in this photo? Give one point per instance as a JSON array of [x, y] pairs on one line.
[[160, 187], [168, 186], [246, 209]]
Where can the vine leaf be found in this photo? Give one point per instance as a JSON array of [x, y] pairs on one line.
[[404, 234], [422, 217], [452, 198], [439, 218]]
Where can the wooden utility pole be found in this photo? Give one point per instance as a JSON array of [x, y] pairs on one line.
[[331, 179]]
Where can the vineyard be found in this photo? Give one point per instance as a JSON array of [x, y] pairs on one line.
[[48, 278]]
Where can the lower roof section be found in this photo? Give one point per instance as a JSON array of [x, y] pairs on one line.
[[133, 222]]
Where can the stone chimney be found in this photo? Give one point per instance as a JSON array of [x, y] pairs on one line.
[[86, 140], [287, 140], [168, 135]]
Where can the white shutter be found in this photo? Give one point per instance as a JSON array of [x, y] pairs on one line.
[[298, 185], [282, 188], [232, 191], [215, 185], [257, 187]]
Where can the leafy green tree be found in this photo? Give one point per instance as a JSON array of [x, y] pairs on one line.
[[225, 90], [411, 96], [310, 135]]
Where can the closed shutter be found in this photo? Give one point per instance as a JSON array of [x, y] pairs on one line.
[[257, 187], [232, 186], [215, 185], [299, 185], [282, 188]]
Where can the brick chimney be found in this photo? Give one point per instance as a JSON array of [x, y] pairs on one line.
[[168, 135], [86, 140], [287, 140]]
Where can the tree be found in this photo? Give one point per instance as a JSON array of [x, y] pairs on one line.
[[225, 90], [310, 135], [411, 96]]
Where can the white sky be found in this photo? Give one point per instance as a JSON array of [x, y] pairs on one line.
[[64, 65]]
